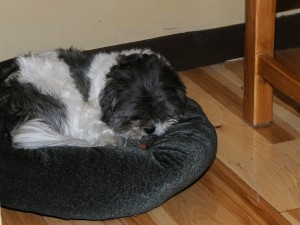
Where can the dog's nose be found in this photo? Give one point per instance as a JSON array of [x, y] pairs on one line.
[[149, 130]]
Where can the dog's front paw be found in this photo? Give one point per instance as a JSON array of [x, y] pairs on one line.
[[109, 137], [119, 142]]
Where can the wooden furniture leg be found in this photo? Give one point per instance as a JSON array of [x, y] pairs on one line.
[[262, 70], [259, 40]]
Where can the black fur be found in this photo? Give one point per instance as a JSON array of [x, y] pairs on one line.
[[79, 63], [7, 68], [22, 102], [141, 90]]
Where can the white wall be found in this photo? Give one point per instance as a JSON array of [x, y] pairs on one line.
[[37, 25]]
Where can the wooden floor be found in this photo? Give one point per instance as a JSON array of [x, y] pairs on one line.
[[255, 178]]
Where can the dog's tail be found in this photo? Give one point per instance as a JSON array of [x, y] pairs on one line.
[[34, 134]]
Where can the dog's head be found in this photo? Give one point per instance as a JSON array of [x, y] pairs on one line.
[[143, 95]]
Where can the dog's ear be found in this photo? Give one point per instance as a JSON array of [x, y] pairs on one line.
[[181, 92], [125, 60], [108, 101]]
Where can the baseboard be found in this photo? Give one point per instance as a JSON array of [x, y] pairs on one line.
[[201, 48], [206, 47]]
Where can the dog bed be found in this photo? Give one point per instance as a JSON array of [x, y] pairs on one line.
[[102, 182]]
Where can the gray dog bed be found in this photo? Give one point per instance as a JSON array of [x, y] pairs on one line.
[[99, 183]]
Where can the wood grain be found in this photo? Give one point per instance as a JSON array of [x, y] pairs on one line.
[[253, 159], [227, 96], [200, 202], [293, 216]]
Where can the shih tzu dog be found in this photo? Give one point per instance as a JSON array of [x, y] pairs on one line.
[[68, 97]]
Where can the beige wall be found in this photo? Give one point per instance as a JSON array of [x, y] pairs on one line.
[[37, 25]]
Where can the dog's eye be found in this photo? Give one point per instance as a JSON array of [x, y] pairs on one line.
[[166, 118], [137, 119]]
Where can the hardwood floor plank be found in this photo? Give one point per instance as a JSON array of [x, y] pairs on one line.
[[285, 115], [143, 219], [250, 155], [217, 90], [232, 101], [290, 106], [200, 204], [236, 66], [161, 216], [293, 216], [287, 118], [11, 217]]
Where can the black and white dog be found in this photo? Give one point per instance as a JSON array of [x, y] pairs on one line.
[[69, 97]]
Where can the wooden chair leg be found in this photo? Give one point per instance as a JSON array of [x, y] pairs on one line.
[[260, 27]]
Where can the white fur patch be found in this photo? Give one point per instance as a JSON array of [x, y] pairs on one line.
[[136, 51], [51, 76], [100, 66], [48, 74], [35, 134], [162, 127]]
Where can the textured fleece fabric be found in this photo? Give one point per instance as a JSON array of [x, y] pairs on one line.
[[101, 182]]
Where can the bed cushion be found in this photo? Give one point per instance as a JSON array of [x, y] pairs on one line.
[[104, 182]]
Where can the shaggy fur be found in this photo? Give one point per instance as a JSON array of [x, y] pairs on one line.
[[68, 97]]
